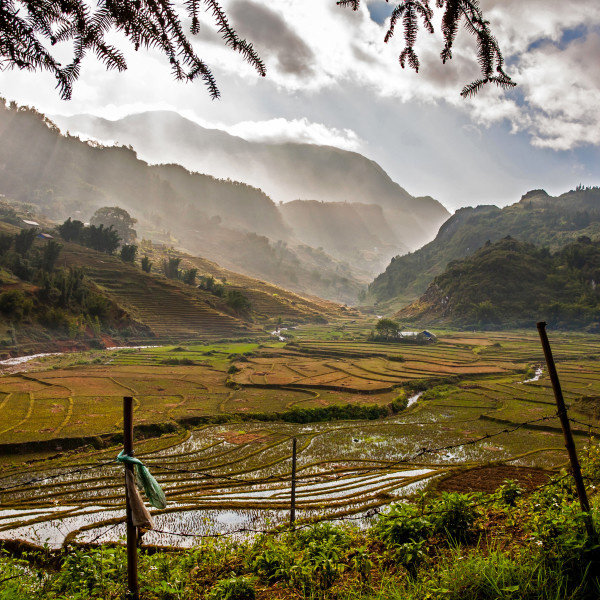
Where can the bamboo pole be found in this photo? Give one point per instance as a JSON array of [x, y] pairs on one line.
[[293, 501], [132, 570], [566, 427]]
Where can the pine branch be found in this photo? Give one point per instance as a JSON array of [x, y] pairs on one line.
[[467, 12]]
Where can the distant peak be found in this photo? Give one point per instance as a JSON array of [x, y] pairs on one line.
[[534, 194]]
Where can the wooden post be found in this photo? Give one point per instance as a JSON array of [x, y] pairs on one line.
[[293, 503], [133, 591], [566, 427]]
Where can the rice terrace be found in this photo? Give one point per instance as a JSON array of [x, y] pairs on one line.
[[374, 423]]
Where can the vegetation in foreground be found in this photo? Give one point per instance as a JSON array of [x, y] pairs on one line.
[[508, 544]]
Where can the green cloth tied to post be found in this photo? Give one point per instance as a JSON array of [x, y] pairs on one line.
[[145, 481]]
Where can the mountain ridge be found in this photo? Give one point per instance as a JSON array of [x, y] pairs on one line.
[[537, 217]]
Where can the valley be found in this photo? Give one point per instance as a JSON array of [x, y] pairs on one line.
[[243, 328]]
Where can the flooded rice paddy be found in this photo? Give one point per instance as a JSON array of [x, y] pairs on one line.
[[235, 479]]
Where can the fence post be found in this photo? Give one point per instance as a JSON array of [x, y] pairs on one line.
[[132, 571], [293, 503], [566, 427]]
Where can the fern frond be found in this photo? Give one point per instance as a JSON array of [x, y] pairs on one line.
[[472, 88], [351, 3]]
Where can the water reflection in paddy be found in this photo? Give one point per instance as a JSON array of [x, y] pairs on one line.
[[237, 476]]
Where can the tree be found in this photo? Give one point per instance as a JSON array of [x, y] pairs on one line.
[[387, 328], [128, 253], [24, 240], [189, 276], [50, 255], [71, 231], [170, 267], [102, 239], [237, 301], [6, 241], [489, 56], [146, 264], [28, 30], [117, 218]]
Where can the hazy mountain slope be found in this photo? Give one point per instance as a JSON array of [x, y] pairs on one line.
[[513, 283], [227, 221], [536, 218], [38, 164], [286, 171], [87, 296], [352, 231]]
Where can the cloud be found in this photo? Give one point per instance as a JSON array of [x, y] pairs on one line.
[[295, 130], [273, 37], [562, 88]]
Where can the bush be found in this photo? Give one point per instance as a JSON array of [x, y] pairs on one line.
[[273, 562], [237, 301], [510, 491], [128, 253], [455, 516], [15, 305], [189, 276], [233, 588], [24, 240], [5, 243], [146, 264], [400, 402], [402, 524]]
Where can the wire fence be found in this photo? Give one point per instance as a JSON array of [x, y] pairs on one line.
[[281, 478], [223, 478]]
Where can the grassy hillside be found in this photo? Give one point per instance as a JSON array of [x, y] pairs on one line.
[[513, 283], [230, 222], [537, 218], [87, 296]]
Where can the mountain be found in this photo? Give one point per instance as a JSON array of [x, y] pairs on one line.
[[537, 218], [353, 231], [515, 284], [235, 224], [285, 171]]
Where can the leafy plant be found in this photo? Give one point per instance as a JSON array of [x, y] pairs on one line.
[[455, 516], [510, 491], [233, 588], [402, 524]]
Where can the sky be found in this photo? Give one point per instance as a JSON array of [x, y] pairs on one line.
[[331, 79]]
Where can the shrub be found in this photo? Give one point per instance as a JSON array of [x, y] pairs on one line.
[[146, 264], [455, 516], [400, 402], [402, 524], [237, 301], [273, 562], [5, 243], [170, 267], [50, 255], [128, 252], [24, 240], [510, 491], [15, 305], [189, 276], [233, 588]]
